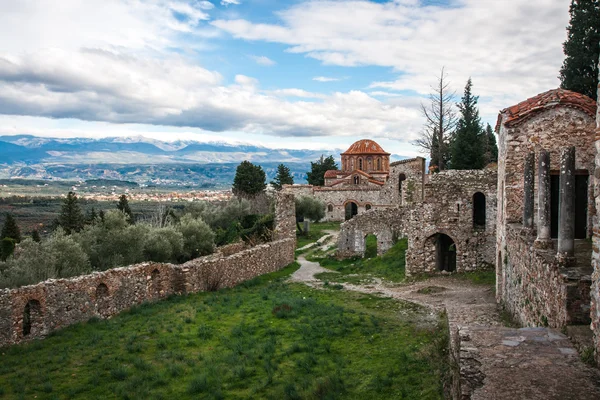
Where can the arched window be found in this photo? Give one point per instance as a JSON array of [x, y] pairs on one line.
[[32, 318], [401, 179], [360, 164], [330, 208], [368, 207], [379, 164], [479, 216], [356, 180]]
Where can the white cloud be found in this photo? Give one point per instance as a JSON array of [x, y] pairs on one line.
[[228, 2], [205, 5], [96, 85], [512, 49], [325, 79], [262, 60]]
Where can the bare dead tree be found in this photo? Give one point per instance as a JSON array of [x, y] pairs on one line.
[[440, 121]]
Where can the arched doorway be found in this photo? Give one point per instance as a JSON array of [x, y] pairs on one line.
[[370, 246], [351, 210], [445, 252], [479, 216]]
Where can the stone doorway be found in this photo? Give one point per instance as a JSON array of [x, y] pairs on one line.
[[445, 253], [351, 210], [32, 318]]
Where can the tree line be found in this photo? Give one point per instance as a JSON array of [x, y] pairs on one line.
[[111, 238]]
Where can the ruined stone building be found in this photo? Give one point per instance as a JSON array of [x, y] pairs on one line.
[[532, 218], [366, 181], [546, 208]]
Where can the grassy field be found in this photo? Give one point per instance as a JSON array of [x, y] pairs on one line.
[[266, 339], [390, 266], [316, 232]]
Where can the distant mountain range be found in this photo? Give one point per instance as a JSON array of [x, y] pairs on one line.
[[144, 160]]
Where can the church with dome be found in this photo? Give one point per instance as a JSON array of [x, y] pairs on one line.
[[366, 180], [364, 163]]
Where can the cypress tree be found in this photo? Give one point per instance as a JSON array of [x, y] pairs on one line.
[[123, 206], [71, 219], [490, 146], [467, 146], [249, 180], [11, 229], [35, 236], [579, 71], [316, 176], [283, 177]]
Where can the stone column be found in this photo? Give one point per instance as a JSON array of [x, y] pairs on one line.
[[566, 212], [544, 239], [528, 184]]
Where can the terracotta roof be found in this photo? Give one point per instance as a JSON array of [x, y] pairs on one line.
[[552, 98], [333, 173], [365, 146]]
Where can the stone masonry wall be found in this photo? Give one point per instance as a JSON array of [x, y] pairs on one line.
[[55, 304], [551, 129], [595, 286], [447, 208], [538, 291]]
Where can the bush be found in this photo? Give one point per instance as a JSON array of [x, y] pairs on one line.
[[198, 238], [163, 245]]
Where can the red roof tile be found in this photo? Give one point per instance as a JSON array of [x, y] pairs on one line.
[[365, 146], [333, 173], [552, 98]]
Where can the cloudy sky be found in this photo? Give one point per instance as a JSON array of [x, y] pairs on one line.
[[293, 73]]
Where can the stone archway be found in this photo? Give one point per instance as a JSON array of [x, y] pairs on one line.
[[445, 251]]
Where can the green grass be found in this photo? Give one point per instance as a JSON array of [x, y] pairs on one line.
[[390, 266], [316, 232], [265, 339]]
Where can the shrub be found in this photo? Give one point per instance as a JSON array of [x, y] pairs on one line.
[[198, 238], [163, 244]]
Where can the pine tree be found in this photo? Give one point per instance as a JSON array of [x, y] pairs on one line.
[[249, 180], [284, 177], [467, 146], [490, 146], [123, 206], [11, 229], [579, 71], [35, 236], [71, 219], [316, 176]]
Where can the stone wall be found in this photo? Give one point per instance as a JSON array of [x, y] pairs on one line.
[[595, 286], [447, 208], [538, 290], [55, 304]]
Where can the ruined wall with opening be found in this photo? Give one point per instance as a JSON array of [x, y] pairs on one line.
[[62, 302], [447, 208], [595, 285], [531, 283]]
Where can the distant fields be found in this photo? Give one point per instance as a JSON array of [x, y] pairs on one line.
[[265, 339]]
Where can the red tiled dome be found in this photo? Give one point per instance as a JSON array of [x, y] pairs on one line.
[[365, 146], [552, 98]]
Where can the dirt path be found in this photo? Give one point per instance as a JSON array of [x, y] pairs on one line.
[[496, 362]]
